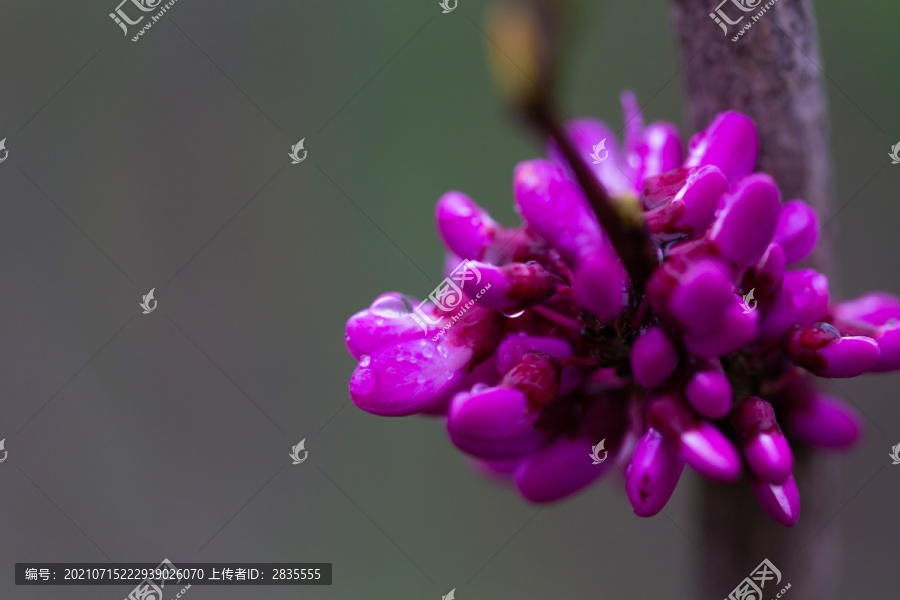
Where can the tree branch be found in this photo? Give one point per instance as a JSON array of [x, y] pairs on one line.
[[772, 74], [623, 223]]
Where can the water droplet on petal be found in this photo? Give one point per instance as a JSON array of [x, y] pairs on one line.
[[391, 306], [362, 381], [427, 351], [512, 314], [364, 360]]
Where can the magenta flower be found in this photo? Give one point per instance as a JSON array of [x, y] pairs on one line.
[[538, 345]]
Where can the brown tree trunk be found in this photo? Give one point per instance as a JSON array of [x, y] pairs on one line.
[[771, 73]]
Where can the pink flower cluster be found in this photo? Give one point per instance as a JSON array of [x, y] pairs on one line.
[[710, 365]]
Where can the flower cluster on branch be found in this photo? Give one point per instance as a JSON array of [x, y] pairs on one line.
[[709, 362]]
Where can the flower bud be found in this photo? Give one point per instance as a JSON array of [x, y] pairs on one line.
[[691, 209], [513, 347], [512, 287], [797, 231], [888, 340], [537, 376], [492, 414], [764, 445], [408, 377], [388, 320], [659, 150], [564, 466], [702, 296], [699, 442], [876, 308], [802, 300], [821, 420], [746, 221], [658, 190], [780, 501], [653, 473], [555, 208], [599, 285], [466, 228], [821, 349], [557, 470], [709, 392], [653, 358], [730, 143], [734, 330], [887, 337]]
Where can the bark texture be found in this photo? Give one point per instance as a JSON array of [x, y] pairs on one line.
[[773, 74]]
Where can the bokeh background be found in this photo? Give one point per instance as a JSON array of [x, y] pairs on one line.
[[163, 164]]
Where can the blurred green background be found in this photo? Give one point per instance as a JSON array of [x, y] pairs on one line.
[[163, 164]]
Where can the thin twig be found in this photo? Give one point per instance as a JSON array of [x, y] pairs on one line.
[[623, 224]]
